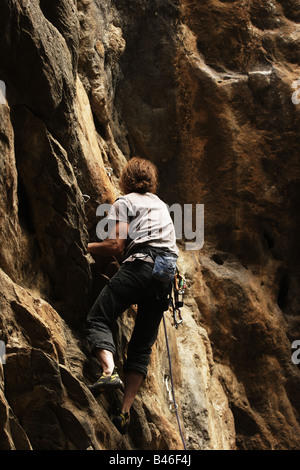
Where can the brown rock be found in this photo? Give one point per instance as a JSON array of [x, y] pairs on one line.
[[203, 89]]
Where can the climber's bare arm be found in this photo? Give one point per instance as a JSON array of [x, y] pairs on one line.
[[114, 245]]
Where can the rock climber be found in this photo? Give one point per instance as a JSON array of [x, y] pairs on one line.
[[141, 228]]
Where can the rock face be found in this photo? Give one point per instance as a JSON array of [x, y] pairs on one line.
[[203, 89]]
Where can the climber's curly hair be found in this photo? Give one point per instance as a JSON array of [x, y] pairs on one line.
[[139, 176]]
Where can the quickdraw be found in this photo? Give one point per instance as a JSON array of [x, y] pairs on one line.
[[109, 171], [170, 396], [86, 198], [179, 286]]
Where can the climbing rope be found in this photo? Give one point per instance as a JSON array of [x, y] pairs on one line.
[[172, 383]]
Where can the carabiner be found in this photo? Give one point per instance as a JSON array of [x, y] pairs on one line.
[[177, 322]]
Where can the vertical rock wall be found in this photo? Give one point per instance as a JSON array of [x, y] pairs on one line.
[[204, 90]]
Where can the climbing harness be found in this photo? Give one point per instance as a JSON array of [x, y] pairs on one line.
[[179, 286]]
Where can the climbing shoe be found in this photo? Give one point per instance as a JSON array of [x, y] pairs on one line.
[[106, 383], [121, 421]]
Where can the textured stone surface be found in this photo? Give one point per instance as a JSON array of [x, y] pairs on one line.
[[204, 90]]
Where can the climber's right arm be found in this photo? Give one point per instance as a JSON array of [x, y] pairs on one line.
[[113, 245]]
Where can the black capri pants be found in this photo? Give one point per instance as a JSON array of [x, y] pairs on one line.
[[132, 284]]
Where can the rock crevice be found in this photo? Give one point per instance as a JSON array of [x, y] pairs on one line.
[[204, 90]]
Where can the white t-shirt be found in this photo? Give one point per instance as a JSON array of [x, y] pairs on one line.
[[149, 222]]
